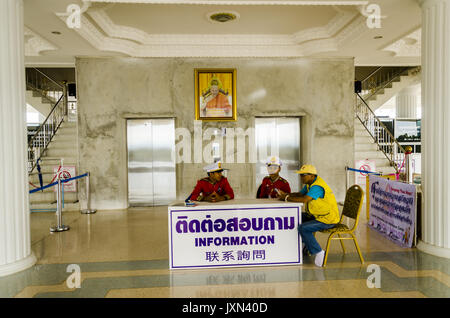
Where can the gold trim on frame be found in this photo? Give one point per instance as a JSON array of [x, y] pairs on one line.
[[198, 86]]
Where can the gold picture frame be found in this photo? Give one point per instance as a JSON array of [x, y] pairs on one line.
[[215, 94]]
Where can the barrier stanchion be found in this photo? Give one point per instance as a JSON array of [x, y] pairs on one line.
[[88, 209], [59, 226], [59, 201], [408, 151], [367, 198]]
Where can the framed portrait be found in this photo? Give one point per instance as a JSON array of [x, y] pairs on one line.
[[215, 94]]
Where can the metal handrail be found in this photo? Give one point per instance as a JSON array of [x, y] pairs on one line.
[[381, 135], [371, 74], [40, 140], [54, 93], [41, 83], [45, 76], [384, 83], [386, 142], [43, 94], [45, 122]]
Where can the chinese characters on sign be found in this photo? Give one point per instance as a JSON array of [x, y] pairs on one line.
[[212, 256]]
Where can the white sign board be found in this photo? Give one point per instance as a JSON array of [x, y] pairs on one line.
[[65, 172], [365, 165], [234, 235], [393, 209]]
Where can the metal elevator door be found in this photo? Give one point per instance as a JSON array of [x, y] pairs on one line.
[[278, 136], [151, 162]]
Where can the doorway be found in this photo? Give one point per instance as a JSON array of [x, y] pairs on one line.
[[151, 161]]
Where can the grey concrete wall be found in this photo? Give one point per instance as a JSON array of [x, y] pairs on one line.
[[110, 90]]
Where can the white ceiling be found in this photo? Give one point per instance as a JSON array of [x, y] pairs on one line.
[[264, 28]]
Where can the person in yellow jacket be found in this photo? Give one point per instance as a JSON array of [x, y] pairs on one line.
[[321, 209]]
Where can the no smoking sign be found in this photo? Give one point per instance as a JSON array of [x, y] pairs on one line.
[[66, 172]]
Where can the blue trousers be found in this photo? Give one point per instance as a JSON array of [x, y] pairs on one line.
[[306, 230]]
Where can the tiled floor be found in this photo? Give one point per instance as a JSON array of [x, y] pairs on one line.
[[125, 254]]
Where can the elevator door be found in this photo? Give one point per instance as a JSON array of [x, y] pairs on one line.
[[278, 136], [151, 162]]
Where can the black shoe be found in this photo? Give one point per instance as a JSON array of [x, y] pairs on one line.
[[306, 251]]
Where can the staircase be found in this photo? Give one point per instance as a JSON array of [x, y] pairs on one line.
[[366, 148], [54, 143], [40, 103], [63, 146], [405, 78], [377, 88]]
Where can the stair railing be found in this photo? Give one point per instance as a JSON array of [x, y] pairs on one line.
[[42, 137], [45, 133], [386, 142], [46, 87], [380, 79], [56, 94]]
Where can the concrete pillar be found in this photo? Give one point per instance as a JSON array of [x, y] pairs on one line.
[[15, 242], [435, 129], [407, 101]]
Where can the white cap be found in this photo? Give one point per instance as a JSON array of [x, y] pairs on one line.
[[216, 166], [273, 161]]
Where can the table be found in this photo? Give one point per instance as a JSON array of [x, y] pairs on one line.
[[241, 232]]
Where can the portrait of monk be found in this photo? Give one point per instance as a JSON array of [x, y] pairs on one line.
[[215, 102]]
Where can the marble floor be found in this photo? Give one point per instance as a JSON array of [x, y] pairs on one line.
[[125, 254]]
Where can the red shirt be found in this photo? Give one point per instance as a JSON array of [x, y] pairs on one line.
[[268, 187], [204, 187]]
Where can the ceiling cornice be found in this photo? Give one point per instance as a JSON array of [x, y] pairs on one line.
[[34, 44], [409, 45], [100, 31], [243, 2], [112, 30]]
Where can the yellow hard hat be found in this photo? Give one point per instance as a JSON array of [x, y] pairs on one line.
[[310, 169]]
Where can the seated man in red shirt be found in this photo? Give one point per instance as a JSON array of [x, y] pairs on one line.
[[214, 188], [273, 182]]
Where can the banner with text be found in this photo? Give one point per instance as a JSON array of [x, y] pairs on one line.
[[218, 236], [393, 209]]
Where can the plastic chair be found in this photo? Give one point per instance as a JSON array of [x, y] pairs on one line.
[[352, 208]]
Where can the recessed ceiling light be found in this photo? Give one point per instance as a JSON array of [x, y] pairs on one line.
[[378, 37], [56, 32], [222, 17]]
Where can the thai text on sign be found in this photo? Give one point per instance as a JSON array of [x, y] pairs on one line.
[[393, 209], [209, 236]]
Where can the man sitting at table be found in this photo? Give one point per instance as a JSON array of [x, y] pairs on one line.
[[321, 209], [273, 183], [213, 188]]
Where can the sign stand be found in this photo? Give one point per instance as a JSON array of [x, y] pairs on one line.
[[88, 210], [59, 226]]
